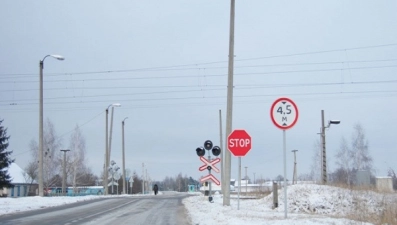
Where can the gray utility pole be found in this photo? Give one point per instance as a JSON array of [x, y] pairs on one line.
[[41, 183], [220, 144], [108, 144], [122, 137], [41, 109], [323, 152], [64, 171], [229, 108], [147, 181], [143, 178], [105, 171], [294, 177], [111, 131]]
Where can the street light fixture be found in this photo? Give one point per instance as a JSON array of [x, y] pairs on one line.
[[41, 66], [333, 122], [107, 151], [324, 153], [124, 178]]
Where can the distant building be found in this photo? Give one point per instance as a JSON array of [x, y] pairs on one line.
[[23, 184], [384, 184]]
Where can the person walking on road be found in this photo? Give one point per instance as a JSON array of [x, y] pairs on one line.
[[155, 189]]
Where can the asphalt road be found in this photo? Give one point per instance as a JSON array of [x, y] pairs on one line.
[[149, 210]]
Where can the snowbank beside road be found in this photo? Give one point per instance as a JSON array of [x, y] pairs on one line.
[[307, 204]]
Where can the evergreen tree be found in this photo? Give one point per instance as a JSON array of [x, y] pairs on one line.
[[5, 160]]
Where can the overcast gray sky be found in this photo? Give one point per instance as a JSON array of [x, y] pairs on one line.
[[166, 63]]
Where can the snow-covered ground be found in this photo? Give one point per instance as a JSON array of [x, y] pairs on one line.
[[307, 204]]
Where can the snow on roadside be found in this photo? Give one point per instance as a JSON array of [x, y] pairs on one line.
[[329, 200], [21, 204], [307, 204], [13, 205]]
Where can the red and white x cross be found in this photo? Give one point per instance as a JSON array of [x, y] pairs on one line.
[[209, 164]]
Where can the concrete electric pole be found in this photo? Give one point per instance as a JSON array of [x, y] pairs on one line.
[[143, 178], [222, 153], [229, 107], [323, 152], [122, 137], [64, 171]]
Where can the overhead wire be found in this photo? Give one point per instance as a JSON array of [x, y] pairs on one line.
[[215, 62], [209, 75], [244, 86]]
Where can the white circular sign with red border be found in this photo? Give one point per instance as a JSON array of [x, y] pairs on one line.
[[284, 113]]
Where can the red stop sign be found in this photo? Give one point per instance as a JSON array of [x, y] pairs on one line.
[[239, 142]]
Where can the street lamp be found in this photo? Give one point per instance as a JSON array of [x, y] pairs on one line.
[[41, 65], [64, 171], [107, 147], [324, 153], [122, 125]]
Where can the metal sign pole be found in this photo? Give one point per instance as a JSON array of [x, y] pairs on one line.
[[239, 182], [285, 175], [209, 183], [284, 115]]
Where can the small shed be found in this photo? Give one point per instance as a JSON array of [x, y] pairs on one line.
[[384, 184]]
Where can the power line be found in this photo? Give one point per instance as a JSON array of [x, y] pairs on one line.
[[216, 62], [200, 68], [246, 86], [88, 121], [209, 75], [214, 97], [58, 138]]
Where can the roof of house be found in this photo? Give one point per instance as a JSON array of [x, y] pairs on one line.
[[16, 174]]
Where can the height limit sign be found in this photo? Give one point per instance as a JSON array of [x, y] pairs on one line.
[[284, 113]]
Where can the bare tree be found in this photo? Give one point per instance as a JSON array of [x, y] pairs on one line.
[[359, 151], [137, 184], [86, 178], [76, 158], [343, 161], [393, 175], [315, 172], [51, 149], [30, 175], [51, 153]]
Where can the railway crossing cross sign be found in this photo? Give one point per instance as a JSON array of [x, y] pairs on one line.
[[212, 178], [210, 165]]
